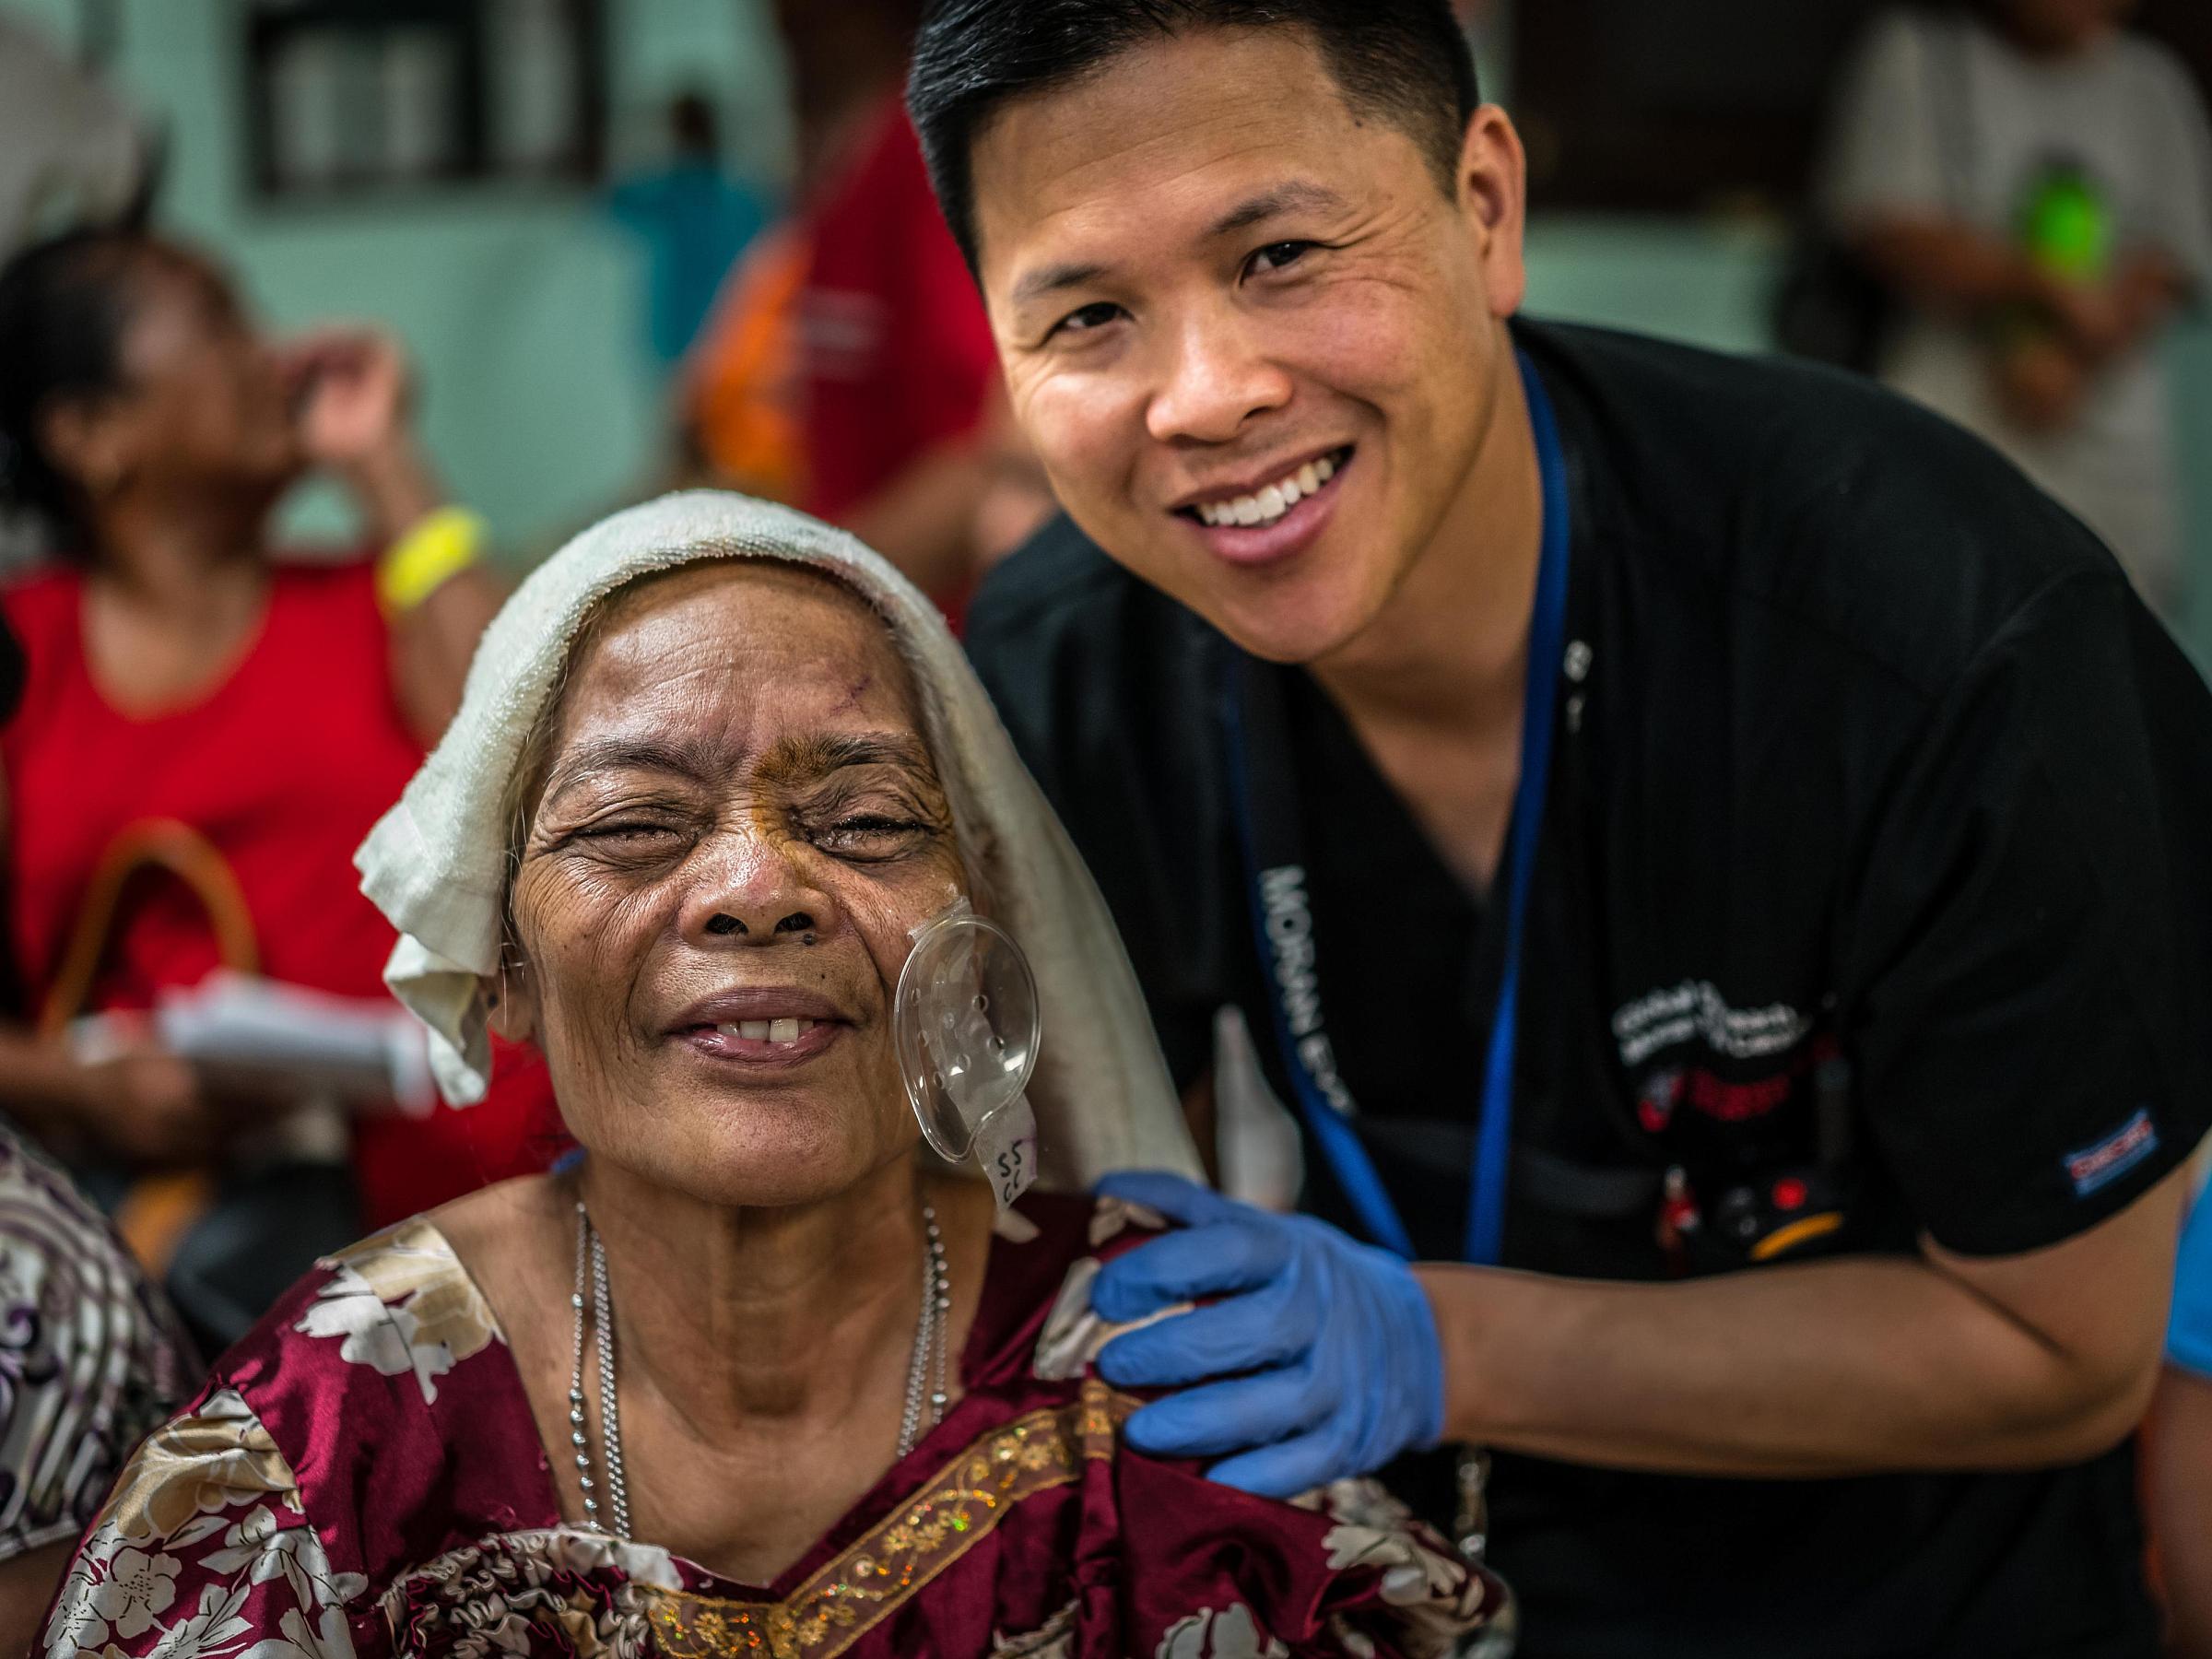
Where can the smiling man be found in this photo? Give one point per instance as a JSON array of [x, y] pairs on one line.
[[1713, 854]]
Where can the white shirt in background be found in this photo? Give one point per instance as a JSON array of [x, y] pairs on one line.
[[1941, 116]]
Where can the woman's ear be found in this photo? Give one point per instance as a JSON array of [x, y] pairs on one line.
[[512, 999]]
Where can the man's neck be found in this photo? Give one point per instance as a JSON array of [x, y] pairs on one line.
[[1446, 660], [802, 1306]]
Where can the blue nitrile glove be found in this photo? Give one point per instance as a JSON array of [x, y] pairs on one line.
[[1339, 1337]]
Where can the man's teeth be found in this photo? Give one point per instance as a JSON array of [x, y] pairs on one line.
[[1271, 503], [767, 1030]]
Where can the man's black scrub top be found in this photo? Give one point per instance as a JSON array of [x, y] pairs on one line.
[[1864, 748]]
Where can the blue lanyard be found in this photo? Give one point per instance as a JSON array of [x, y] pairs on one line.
[[1282, 918]]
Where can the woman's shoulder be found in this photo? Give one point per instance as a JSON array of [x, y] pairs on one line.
[[378, 1391], [1344, 1569], [207, 1508], [400, 1305], [1075, 1224], [1045, 1251]]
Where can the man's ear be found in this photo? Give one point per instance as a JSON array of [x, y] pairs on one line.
[[1493, 194], [511, 997]]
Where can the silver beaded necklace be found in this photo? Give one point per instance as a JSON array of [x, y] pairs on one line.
[[931, 1343]]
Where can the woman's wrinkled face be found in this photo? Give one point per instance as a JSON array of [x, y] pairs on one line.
[[740, 825]]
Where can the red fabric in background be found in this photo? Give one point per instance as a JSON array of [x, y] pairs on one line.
[[283, 767], [895, 350]]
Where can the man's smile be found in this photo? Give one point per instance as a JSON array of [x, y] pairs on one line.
[[1262, 524], [1272, 491]]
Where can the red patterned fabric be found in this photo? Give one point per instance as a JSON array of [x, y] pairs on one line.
[[283, 767], [363, 1477]]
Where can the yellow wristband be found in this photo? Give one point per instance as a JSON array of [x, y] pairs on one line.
[[440, 545]]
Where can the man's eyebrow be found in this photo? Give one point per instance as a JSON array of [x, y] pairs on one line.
[[1056, 279], [800, 758], [1297, 195]]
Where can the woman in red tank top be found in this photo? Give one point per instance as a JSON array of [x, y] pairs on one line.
[[176, 675]]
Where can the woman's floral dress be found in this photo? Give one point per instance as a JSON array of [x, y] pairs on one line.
[[363, 1477]]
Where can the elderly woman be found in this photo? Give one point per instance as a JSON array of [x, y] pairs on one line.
[[757, 1376]]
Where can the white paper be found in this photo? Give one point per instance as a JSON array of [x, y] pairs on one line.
[[369, 1053]]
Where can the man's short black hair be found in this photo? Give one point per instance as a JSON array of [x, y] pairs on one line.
[[1403, 61]]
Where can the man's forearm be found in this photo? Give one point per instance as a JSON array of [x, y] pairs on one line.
[[1826, 1369], [1950, 268]]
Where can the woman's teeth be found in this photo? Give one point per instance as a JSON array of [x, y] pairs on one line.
[[767, 1030], [1271, 503]]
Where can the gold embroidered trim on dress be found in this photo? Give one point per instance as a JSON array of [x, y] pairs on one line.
[[954, 1511]]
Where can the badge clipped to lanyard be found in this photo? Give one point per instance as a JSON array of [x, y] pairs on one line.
[[1271, 844]]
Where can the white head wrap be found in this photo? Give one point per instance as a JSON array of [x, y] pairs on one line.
[[436, 863]]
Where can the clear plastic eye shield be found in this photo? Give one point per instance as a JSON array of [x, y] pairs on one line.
[[966, 1024]]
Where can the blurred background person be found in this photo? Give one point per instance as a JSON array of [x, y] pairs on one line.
[[235, 721], [694, 220], [738, 416], [94, 1361], [2033, 184], [852, 371]]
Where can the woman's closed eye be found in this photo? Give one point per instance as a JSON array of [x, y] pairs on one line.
[[628, 831], [865, 835], [626, 834]]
